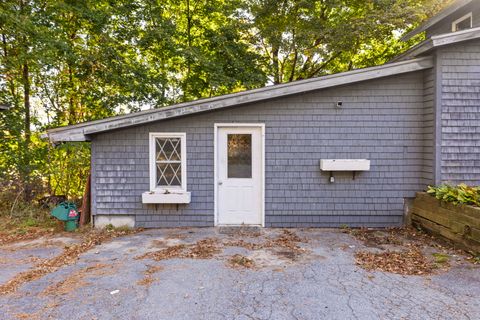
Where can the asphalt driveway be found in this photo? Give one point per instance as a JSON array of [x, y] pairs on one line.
[[229, 274]]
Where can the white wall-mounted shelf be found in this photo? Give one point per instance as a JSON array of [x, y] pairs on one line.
[[345, 165], [162, 197]]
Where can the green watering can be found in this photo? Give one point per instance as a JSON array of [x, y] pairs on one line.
[[67, 211]]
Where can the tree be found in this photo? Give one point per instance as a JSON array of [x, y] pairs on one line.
[[67, 61], [301, 39], [19, 31]]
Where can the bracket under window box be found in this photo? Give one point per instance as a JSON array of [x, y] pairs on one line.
[[174, 197]]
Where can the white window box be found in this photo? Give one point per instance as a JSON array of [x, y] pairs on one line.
[[345, 165], [163, 197]]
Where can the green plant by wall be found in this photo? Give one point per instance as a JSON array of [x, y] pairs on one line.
[[460, 194]]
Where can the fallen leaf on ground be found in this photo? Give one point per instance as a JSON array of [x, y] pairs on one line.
[[149, 279], [69, 256], [76, 279], [407, 262], [202, 249], [238, 260]]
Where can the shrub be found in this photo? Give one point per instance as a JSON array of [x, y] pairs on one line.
[[460, 194]]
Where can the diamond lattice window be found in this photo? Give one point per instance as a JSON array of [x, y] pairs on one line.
[[168, 160]]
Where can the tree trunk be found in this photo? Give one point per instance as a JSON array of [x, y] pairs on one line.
[[72, 118], [189, 46], [11, 83], [26, 151], [276, 71]]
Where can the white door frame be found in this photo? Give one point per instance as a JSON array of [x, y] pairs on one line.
[[215, 164]]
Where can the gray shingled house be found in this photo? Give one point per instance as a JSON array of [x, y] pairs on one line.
[[345, 149]]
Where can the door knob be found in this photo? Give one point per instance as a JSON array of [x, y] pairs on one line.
[[220, 183]]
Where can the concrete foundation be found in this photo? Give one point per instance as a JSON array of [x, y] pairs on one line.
[[101, 221]]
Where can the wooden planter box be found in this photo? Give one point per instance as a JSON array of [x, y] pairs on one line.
[[457, 223]]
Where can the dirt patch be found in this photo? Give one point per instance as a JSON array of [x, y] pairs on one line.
[[250, 232], [239, 261], [404, 251], [177, 236], [380, 238], [165, 242], [76, 280], [243, 244], [168, 253], [202, 249], [287, 240], [273, 251], [43, 242], [32, 233], [69, 256], [158, 244], [284, 246], [27, 316], [289, 255], [407, 262], [374, 238], [268, 259], [149, 279], [14, 261]]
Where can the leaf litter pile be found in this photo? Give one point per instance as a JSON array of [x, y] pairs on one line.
[[202, 249], [286, 244], [77, 279], [407, 256], [33, 233], [149, 279], [69, 256], [407, 262], [239, 261], [287, 240]]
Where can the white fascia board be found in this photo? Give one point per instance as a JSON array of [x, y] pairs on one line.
[[455, 37], [439, 41]]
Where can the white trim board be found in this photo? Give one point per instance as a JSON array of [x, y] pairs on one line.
[[468, 15], [81, 132], [215, 164]]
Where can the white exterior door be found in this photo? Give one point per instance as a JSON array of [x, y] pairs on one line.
[[239, 175]]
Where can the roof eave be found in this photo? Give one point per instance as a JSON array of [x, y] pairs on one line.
[[435, 19], [438, 41], [82, 132]]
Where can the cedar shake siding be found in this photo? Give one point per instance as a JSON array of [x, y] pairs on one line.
[[388, 121], [459, 91], [429, 127], [416, 118]]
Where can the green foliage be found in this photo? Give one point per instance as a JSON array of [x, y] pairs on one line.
[[66, 61], [111, 228], [304, 39], [441, 258], [67, 169], [461, 194]]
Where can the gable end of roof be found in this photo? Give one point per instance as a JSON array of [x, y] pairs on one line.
[[436, 19], [438, 41]]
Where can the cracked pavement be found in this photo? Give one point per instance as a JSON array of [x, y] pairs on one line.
[[321, 283]]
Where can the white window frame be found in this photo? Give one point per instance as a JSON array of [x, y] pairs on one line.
[[153, 164], [467, 16]]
